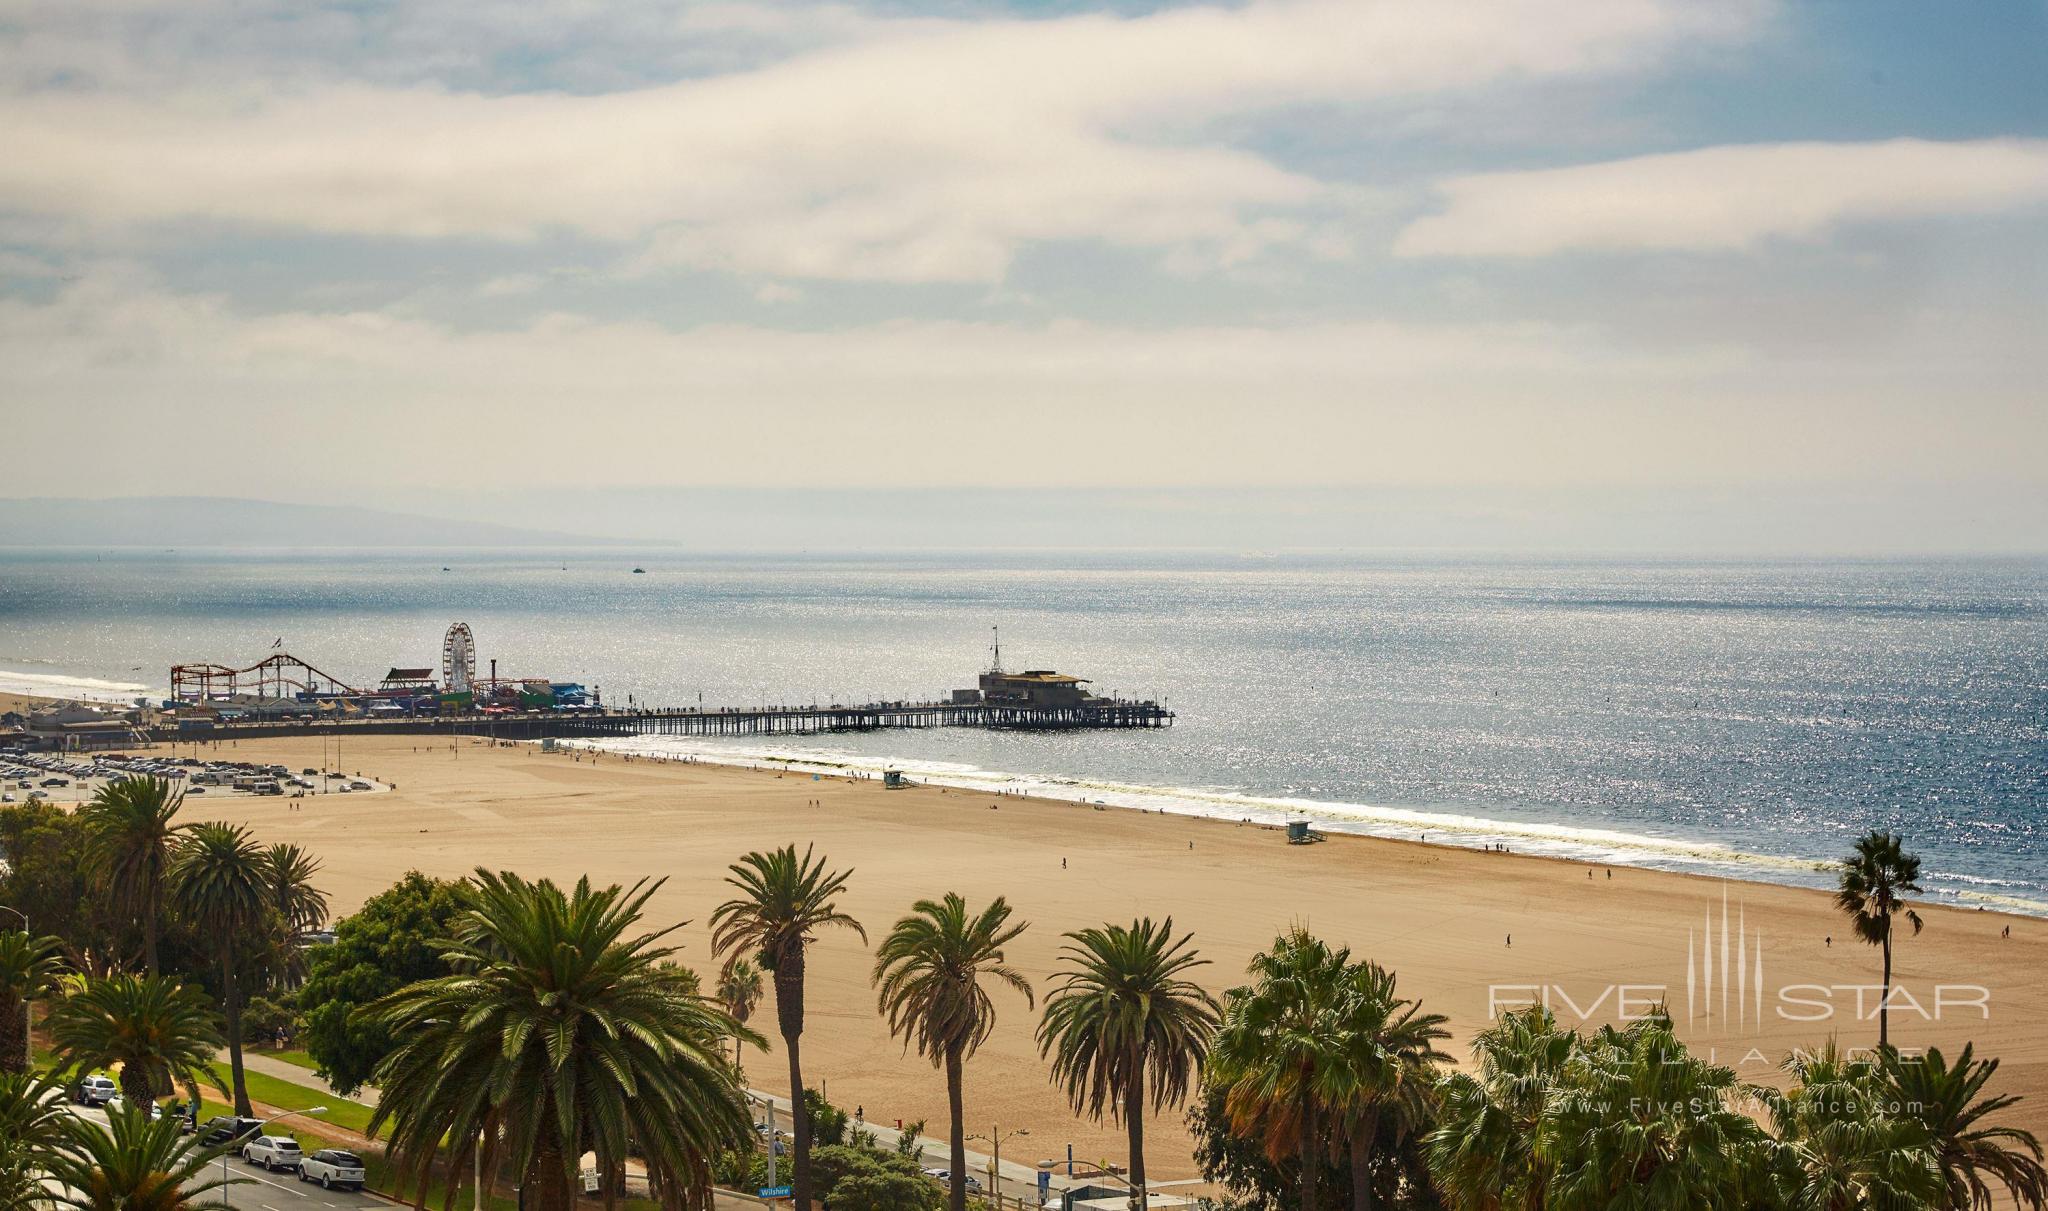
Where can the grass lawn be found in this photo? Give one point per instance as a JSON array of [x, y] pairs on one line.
[[286, 1096], [294, 1057]]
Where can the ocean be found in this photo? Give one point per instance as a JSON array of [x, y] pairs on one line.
[[1747, 719]]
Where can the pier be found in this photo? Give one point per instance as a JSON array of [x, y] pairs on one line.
[[761, 721]]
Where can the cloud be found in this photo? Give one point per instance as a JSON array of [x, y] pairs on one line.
[[1732, 198], [177, 381], [916, 150]]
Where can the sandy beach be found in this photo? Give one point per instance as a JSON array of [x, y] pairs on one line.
[[1442, 918]]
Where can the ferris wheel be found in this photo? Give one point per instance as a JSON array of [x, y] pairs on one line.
[[458, 659]]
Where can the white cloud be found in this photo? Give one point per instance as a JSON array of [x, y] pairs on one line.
[[177, 381], [1726, 198], [916, 151]]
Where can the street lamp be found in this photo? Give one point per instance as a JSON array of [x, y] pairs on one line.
[[28, 1048], [995, 1137], [768, 1103], [259, 1131]]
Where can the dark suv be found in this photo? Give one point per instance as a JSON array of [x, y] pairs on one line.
[[227, 1129]]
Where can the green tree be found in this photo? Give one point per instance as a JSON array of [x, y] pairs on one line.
[[928, 973], [1279, 1036], [836, 1166], [884, 1190], [219, 880], [1483, 1154], [1874, 877], [1242, 1165], [1839, 1147], [1381, 1086], [739, 990], [784, 902], [159, 1033], [1946, 1101], [1636, 1120], [133, 841], [1124, 1026], [300, 905], [389, 942], [569, 1031], [136, 1164], [28, 971], [32, 1118], [828, 1122], [49, 877]]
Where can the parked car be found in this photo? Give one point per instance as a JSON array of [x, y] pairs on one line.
[[273, 1152], [359, 786], [227, 1129], [945, 1178], [332, 1167], [95, 1090]]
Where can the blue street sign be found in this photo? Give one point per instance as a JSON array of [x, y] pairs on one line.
[[775, 1191]]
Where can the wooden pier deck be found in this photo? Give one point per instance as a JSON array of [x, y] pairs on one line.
[[763, 721]]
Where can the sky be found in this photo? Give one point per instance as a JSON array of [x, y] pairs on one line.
[[1627, 272]]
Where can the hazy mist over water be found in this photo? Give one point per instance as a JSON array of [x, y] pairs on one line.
[[1730, 717]]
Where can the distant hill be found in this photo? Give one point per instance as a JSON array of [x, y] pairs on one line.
[[209, 521]]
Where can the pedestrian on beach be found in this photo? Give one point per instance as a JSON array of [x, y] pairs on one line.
[[1511, 941]]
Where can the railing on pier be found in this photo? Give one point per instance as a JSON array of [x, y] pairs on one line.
[[765, 721]]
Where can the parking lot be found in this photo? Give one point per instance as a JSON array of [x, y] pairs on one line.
[[76, 777]]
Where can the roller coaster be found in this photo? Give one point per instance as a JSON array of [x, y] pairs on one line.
[[280, 675]]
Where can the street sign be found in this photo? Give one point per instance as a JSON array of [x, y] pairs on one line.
[[776, 1191]]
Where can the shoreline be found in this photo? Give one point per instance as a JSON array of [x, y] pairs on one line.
[[1330, 819], [1456, 827], [1466, 931]]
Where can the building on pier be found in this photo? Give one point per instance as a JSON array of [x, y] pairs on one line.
[[1033, 687]]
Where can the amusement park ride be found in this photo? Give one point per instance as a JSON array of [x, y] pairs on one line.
[[283, 676]]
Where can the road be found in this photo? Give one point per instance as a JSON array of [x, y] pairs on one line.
[[255, 1190], [260, 1191]]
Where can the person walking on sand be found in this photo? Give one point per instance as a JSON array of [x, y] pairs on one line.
[[1511, 941]]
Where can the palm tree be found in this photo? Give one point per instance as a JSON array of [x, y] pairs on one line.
[[219, 880], [784, 902], [1123, 1025], [1384, 1070], [1279, 1038], [301, 906], [158, 1032], [296, 907], [32, 1118], [1943, 1099], [28, 970], [134, 1164], [568, 1031], [928, 972], [1873, 878], [739, 990], [1839, 1149], [1636, 1120], [133, 846], [1483, 1154]]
